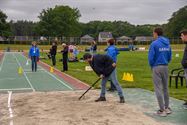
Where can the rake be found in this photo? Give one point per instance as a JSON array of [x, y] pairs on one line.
[[89, 88]]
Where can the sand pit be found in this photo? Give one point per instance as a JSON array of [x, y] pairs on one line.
[[64, 108]]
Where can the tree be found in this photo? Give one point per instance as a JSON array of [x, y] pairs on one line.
[[4, 26], [176, 23], [59, 21], [122, 28], [118, 28], [144, 30], [23, 28], [94, 27]]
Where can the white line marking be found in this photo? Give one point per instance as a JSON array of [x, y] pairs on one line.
[[35, 72], [15, 89], [29, 70], [7, 79], [2, 62], [24, 74], [11, 122], [59, 80], [9, 98], [9, 107], [9, 104], [53, 76]]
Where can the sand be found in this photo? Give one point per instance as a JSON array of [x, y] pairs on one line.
[[64, 108]]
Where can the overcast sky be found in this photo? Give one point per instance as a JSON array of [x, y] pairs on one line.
[[133, 11]]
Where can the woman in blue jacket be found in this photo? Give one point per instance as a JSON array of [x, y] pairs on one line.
[[34, 54], [112, 51]]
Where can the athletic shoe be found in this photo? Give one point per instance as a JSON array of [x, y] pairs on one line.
[[161, 113], [168, 110], [122, 100], [185, 107], [185, 103], [100, 99]]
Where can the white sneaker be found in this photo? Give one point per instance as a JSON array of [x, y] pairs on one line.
[[161, 113], [168, 110]]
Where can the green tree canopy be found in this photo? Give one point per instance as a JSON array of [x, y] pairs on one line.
[[23, 28], [4, 26], [118, 28], [59, 21], [177, 22]]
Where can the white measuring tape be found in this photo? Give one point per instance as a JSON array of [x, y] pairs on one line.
[[9, 107]]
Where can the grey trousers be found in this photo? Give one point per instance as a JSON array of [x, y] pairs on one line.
[[160, 79], [185, 74]]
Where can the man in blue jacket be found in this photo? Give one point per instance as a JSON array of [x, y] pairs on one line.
[[112, 51], [159, 56], [34, 54]]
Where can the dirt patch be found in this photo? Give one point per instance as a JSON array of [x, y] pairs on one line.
[[64, 108]]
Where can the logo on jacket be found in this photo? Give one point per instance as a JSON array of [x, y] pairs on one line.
[[163, 49]]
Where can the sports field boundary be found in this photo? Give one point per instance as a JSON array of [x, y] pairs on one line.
[[77, 84]]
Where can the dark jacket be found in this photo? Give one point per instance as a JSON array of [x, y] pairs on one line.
[[65, 52], [184, 59], [102, 64], [53, 50]]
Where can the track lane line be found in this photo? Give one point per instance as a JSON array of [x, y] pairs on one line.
[[24, 74]]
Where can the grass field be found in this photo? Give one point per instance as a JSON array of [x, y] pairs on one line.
[[82, 47], [132, 62]]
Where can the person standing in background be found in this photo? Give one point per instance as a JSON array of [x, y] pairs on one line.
[[184, 59], [53, 51], [34, 54], [112, 51], [93, 48], [65, 57]]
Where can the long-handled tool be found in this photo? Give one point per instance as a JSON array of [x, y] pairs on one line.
[[89, 88]]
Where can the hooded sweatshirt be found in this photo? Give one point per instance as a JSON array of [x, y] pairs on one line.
[[112, 51], [159, 52]]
